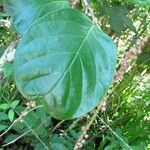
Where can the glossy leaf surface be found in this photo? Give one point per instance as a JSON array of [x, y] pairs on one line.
[[25, 12], [65, 62]]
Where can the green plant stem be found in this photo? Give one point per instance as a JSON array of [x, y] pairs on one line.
[[16, 139], [7, 129], [127, 146], [29, 127], [23, 135]]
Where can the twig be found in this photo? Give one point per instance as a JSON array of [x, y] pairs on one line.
[[8, 129], [57, 126], [127, 146], [45, 146], [84, 135], [89, 11], [73, 3], [8, 55], [23, 135], [24, 113], [73, 125], [13, 141], [10, 49], [130, 57]]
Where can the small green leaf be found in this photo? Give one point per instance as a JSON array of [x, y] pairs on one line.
[[42, 116], [2, 127], [119, 20], [11, 115], [8, 70], [15, 103], [39, 146], [3, 116], [10, 137], [58, 146], [4, 106]]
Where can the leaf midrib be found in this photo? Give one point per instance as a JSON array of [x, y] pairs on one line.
[[73, 60]]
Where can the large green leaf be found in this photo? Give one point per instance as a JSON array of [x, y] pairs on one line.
[[25, 12], [66, 62], [141, 2]]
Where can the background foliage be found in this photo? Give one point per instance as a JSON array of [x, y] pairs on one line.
[[127, 113]]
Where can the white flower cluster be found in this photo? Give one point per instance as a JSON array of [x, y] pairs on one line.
[[82, 139], [10, 56], [130, 56]]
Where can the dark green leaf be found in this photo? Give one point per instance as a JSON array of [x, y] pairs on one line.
[[10, 138], [66, 62], [43, 117], [58, 146], [3, 116], [39, 146], [119, 20], [2, 127], [57, 143]]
